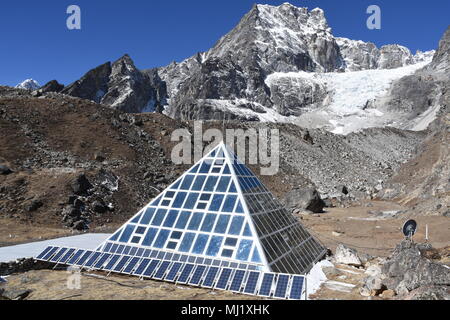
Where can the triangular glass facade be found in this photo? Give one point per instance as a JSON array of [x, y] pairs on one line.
[[219, 212]]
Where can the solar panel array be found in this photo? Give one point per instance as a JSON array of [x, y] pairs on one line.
[[251, 282]]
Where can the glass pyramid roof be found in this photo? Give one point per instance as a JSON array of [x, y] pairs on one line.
[[220, 211]]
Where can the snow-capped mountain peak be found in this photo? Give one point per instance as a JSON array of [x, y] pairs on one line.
[[29, 84]]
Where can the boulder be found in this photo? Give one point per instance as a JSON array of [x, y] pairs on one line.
[[373, 286], [387, 294], [99, 207], [81, 185], [345, 255], [308, 199], [5, 170], [34, 205], [80, 225]]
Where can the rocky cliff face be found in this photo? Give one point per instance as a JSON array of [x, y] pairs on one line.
[[122, 86]]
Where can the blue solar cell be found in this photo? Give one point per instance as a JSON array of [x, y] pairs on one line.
[[197, 275], [244, 249], [266, 285], [57, 256], [84, 257], [140, 252], [43, 253], [252, 282], [102, 260], [238, 278], [114, 248], [184, 276], [112, 262], [92, 259], [75, 257], [108, 247], [210, 277], [173, 271], [159, 275], [126, 234], [222, 283], [281, 288], [141, 267], [121, 263], [296, 288], [148, 272], [66, 256], [50, 253], [130, 266], [127, 250]]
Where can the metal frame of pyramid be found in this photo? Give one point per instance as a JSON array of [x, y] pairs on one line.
[[219, 210]]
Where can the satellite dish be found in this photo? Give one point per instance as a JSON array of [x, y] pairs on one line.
[[409, 228]]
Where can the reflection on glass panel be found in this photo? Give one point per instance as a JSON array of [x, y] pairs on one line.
[[228, 205], [127, 233], [195, 169], [211, 183], [191, 200], [222, 223], [171, 245], [205, 166], [239, 208], [223, 184], [183, 219], [159, 217], [187, 242], [149, 237], [194, 224], [236, 225], [232, 188], [244, 249], [205, 196], [256, 258], [227, 253], [198, 183], [136, 219], [187, 182], [247, 231], [200, 244], [169, 194], [208, 223], [171, 218], [226, 170], [216, 202], [140, 230], [176, 185], [231, 242], [136, 239], [179, 199], [162, 238], [201, 205], [214, 246], [176, 235], [115, 236], [165, 203]]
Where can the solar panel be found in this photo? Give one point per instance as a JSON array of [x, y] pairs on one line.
[[75, 257], [112, 262], [281, 288], [210, 277], [161, 270], [43, 253], [119, 266], [252, 282], [66, 256], [266, 285], [102, 260], [57, 256], [173, 271], [130, 266], [222, 283], [236, 283], [197, 275], [83, 258], [184, 276], [152, 265], [296, 288], [142, 267], [50, 253], [92, 259]]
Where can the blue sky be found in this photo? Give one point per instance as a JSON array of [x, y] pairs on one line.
[[35, 42]]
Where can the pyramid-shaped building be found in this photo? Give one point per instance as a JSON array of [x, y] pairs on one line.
[[219, 213]]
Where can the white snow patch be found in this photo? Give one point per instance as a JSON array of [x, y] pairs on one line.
[[316, 277], [29, 84], [424, 120], [29, 250]]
